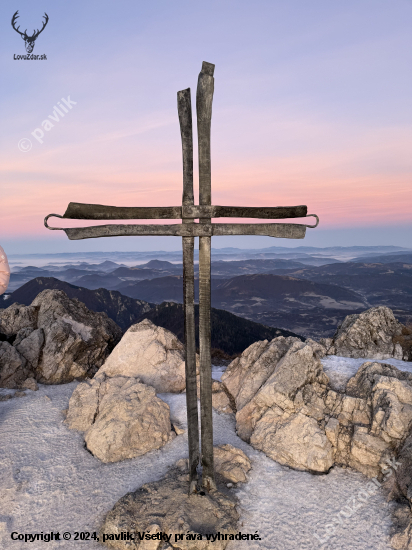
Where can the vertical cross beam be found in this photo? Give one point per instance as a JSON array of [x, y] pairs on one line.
[[184, 108], [204, 98]]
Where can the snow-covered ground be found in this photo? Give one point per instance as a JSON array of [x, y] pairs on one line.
[[340, 369], [50, 482]]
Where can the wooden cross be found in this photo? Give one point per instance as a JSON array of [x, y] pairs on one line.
[[188, 230]]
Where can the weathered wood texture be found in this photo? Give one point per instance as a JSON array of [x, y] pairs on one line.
[[79, 211], [204, 98], [184, 108], [281, 230]]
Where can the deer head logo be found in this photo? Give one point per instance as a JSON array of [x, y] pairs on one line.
[[29, 40]]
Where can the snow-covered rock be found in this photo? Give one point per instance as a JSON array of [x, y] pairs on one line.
[[299, 419], [120, 417]]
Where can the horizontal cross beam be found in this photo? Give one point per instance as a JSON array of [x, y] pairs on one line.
[[79, 211], [282, 230]]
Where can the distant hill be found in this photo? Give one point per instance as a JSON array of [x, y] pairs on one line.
[[161, 289], [392, 257], [230, 333], [385, 284], [123, 310]]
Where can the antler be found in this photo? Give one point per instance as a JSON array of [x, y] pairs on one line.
[[13, 21], [46, 17]]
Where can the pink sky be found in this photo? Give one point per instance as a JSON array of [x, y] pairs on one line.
[[309, 110]]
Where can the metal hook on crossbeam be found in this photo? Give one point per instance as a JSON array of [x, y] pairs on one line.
[[53, 228], [317, 220]]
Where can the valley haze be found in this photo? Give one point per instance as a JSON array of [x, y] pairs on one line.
[[304, 290]]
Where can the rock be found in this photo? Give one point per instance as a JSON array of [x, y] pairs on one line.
[[231, 463], [295, 441], [327, 343], [298, 368], [247, 373], [222, 401], [30, 384], [19, 394], [362, 383], [77, 340], [30, 346], [367, 452], [83, 405], [167, 505], [297, 419], [401, 529], [13, 367], [318, 348], [121, 417], [56, 340], [404, 470], [389, 392], [150, 353], [178, 429], [369, 334], [17, 317]]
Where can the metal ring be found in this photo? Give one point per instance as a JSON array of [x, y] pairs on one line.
[[53, 228], [317, 220]]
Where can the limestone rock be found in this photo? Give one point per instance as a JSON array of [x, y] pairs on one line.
[[295, 441], [30, 346], [167, 505], [231, 463], [298, 368], [56, 339], [83, 405], [121, 417], [319, 349], [362, 383], [369, 334], [389, 392], [151, 353], [30, 384], [247, 373], [77, 340], [327, 343], [17, 317], [297, 419], [13, 367], [401, 529], [404, 470], [367, 452]]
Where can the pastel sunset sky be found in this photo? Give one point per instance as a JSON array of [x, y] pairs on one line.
[[312, 105]]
